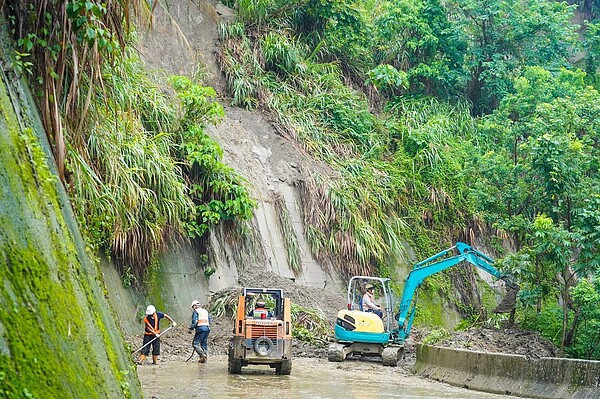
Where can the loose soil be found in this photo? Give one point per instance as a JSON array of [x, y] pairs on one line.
[[510, 340]]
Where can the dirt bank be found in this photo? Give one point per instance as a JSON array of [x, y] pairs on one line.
[[510, 340]]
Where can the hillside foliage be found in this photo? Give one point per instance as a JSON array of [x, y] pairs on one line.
[[445, 120], [479, 115]]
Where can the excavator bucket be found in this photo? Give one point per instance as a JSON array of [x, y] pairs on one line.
[[509, 303]]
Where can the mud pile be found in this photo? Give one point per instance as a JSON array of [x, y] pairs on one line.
[[511, 340]]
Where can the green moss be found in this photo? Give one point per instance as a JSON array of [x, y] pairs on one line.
[[488, 297], [430, 310], [114, 361], [154, 276], [57, 336], [45, 332]]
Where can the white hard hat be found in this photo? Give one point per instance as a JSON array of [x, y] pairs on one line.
[[195, 303], [260, 303], [150, 310]]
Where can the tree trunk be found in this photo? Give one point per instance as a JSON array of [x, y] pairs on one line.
[[570, 335], [564, 293]]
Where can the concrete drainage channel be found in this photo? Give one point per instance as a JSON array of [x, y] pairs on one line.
[[545, 378]]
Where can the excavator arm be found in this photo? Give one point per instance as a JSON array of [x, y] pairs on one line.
[[435, 264]]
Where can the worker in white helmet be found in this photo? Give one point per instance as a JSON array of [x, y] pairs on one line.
[[201, 326], [152, 333]]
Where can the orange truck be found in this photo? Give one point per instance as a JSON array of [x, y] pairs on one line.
[[262, 333]]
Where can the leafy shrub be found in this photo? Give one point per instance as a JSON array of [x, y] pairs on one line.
[[436, 336]]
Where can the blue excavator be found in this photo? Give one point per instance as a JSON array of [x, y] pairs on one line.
[[359, 332]]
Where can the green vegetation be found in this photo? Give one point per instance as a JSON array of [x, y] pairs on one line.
[[440, 121], [290, 238], [217, 191], [480, 123], [225, 303], [156, 176], [436, 336], [542, 171], [310, 325], [140, 170]]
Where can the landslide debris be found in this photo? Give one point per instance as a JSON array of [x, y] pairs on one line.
[[176, 345], [510, 340], [199, 43]]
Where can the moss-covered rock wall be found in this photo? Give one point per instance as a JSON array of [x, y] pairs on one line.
[[58, 336]]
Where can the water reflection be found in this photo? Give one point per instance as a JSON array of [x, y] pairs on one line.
[[310, 378]]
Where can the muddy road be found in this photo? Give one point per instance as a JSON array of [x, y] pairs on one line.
[[310, 378]]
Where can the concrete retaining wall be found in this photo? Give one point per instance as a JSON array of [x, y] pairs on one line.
[[547, 378]]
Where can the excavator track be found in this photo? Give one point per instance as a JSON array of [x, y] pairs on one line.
[[391, 355], [335, 353]]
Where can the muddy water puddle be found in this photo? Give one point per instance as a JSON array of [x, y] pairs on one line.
[[310, 378]]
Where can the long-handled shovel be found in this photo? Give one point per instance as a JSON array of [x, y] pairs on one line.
[[192, 355], [152, 340]]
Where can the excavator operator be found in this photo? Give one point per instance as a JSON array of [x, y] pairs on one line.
[[260, 312], [368, 301]]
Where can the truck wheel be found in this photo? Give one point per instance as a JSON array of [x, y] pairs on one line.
[[263, 346], [234, 366], [284, 368]]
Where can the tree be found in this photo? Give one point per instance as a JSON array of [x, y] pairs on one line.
[[539, 179], [586, 296], [503, 36], [340, 30], [591, 59], [414, 37]]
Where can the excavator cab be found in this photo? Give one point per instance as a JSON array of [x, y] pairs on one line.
[[383, 296], [262, 331]]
